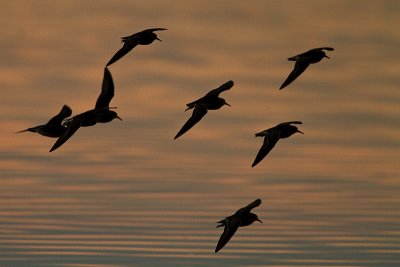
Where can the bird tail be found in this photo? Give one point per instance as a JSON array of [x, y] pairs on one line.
[[293, 58], [221, 223], [260, 134], [190, 106]]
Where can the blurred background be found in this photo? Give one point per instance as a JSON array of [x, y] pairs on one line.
[[127, 194]]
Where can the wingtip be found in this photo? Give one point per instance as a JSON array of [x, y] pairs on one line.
[[108, 63], [54, 147]]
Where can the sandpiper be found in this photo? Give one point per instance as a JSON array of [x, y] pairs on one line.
[[303, 61], [53, 128], [100, 114], [242, 217], [211, 101], [145, 37], [272, 135]]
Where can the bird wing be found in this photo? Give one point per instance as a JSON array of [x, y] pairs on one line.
[[270, 140], [300, 66], [323, 48], [288, 123], [230, 229], [153, 30], [130, 42], [65, 112], [215, 92], [198, 113], [249, 207], [72, 127], [107, 90]]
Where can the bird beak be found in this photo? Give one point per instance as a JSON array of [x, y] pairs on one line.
[[118, 118], [227, 104], [259, 220], [300, 131], [327, 57], [158, 39]]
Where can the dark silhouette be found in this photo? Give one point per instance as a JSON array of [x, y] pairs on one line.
[[101, 113], [303, 61], [242, 217], [272, 135], [53, 128], [211, 101], [145, 37]]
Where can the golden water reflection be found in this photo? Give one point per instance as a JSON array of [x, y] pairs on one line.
[[127, 194]]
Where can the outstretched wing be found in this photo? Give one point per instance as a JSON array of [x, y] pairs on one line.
[[152, 30], [323, 48], [230, 229], [288, 123], [72, 127], [300, 66], [107, 90], [198, 113], [65, 112], [215, 92], [270, 140], [130, 42], [249, 207]]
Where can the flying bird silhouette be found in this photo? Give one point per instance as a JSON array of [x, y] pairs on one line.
[[242, 217], [100, 114], [211, 101], [145, 37], [303, 61], [271, 137], [53, 128]]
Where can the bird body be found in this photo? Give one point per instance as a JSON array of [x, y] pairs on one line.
[[271, 137], [100, 114], [303, 61], [211, 101], [53, 128], [145, 37], [242, 217]]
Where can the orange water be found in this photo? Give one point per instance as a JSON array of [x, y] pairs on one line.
[[127, 194]]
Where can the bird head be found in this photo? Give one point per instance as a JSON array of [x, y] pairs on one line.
[[117, 117], [256, 219], [225, 103], [113, 115]]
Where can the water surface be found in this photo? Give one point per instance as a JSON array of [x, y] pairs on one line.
[[127, 194]]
